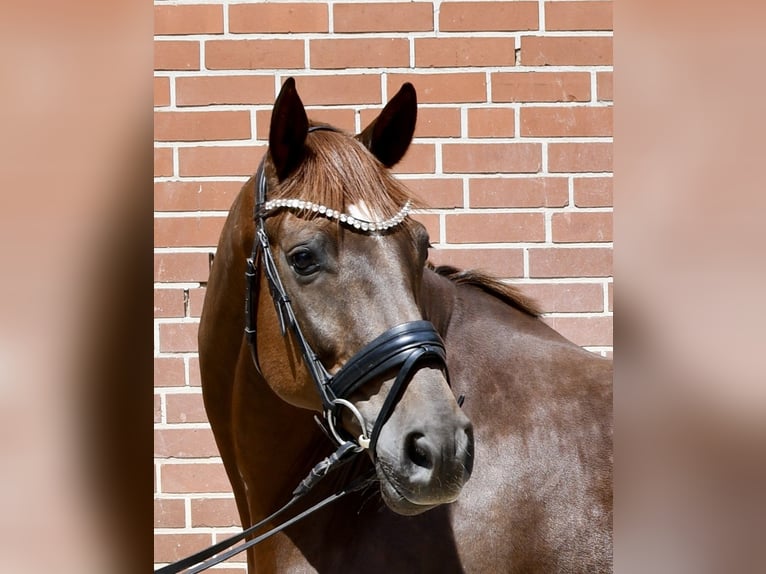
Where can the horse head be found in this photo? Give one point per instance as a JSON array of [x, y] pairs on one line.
[[351, 262]]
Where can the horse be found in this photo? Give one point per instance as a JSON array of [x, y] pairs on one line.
[[517, 478]]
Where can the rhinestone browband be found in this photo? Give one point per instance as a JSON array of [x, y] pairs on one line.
[[349, 220]]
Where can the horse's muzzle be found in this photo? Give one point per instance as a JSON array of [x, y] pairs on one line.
[[425, 453]]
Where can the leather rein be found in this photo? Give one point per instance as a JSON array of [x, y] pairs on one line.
[[404, 348]]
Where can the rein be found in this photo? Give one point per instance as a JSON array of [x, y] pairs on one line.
[[215, 554], [405, 348]]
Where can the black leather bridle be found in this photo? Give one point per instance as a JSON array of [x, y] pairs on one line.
[[402, 349]]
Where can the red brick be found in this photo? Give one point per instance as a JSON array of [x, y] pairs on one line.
[[430, 221], [498, 262], [169, 372], [596, 16], [253, 54], [488, 16], [438, 122], [438, 193], [420, 158], [194, 375], [342, 118], [464, 52], [519, 192], [181, 267], [196, 300], [584, 331], [201, 126], [188, 478], [566, 51], [566, 297], [604, 86], [161, 91], [195, 195], [163, 162], [176, 55], [343, 89], [185, 408], [492, 157], [214, 512], [169, 513], [172, 547], [157, 409], [383, 17], [610, 297], [581, 226], [168, 303], [207, 90], [572, 262], [593, 191], [580, 157], [582, 121], [432, 122], [491, 122], [188, 19], [182, 443], [178, 337], [453, 88], [495, 227], [360, 53], [541, 87], [224, 161], [187, 231], [290, 18]]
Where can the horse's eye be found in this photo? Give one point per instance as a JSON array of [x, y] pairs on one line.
[[303, 261]]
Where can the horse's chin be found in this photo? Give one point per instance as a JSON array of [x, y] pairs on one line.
[[400, 502]]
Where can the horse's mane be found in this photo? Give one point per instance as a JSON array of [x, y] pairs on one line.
[[507, 293]]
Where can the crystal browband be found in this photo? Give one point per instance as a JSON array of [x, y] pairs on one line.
[[349, 220]]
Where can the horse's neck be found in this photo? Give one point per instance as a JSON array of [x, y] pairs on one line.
[[437, 300]]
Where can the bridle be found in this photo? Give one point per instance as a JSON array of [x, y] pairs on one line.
[[403, 349]]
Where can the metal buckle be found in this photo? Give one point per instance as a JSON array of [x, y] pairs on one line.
[[363, 440]]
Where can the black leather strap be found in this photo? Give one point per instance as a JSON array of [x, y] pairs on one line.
[[251, 274], [388, 351], [404, 349], [416, 359]]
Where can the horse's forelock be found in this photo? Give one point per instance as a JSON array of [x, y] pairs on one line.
[[338, 172]]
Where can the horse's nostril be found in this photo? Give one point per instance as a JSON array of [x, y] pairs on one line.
[[418, 452]]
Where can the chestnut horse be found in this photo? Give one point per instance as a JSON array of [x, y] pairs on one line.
[[331, 225]]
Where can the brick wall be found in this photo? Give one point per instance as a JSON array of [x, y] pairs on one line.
[[513, 150]]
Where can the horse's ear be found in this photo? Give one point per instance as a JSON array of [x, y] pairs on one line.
[[389, 135], [287, 134]]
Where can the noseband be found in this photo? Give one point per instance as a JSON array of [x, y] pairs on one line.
[[402, 349]]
